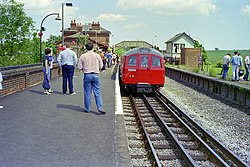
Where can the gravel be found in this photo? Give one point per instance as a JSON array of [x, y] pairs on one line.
[[228, 122]]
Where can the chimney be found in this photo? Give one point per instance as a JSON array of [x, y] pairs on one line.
[[79, 27], [73, 25], [95, 26]]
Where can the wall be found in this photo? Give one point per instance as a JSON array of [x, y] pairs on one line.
[[232, 91], [190, 57], [22, 78]]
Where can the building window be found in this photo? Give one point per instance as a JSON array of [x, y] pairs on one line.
[[176, 48], [182, 46]]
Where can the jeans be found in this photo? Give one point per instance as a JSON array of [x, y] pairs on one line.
[[235, 72], [44, 73], [68, 73], [109, 62], [104, 64], [92, 82], [247, 67], [225, 70]]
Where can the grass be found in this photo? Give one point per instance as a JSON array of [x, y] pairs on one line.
[[217, 55]]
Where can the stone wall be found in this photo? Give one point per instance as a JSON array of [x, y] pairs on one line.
[[22, 78], [233, 91]]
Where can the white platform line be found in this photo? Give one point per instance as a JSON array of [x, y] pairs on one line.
[[118, 98]]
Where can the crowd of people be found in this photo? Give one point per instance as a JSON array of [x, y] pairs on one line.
[[90, 64], [237, 66], [108, 59]]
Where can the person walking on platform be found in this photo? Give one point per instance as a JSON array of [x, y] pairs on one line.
[[103, 60], [247, 67], [67, 60], [109, 57], [235, 66], [226, 65], [90, 64]]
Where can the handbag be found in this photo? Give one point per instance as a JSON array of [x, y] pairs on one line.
[[46, 84], [241, 72]]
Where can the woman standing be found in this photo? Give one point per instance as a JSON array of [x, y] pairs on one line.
[[47, 64]]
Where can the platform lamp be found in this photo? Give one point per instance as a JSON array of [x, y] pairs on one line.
[[69, 5], [43, 29]]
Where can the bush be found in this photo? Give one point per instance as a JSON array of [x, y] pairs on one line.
[[219, 64], [196, 70], [212, 72]]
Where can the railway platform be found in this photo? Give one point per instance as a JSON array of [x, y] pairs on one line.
[[40, 130]]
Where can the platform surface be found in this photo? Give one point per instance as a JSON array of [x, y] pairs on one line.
[[40, 130]]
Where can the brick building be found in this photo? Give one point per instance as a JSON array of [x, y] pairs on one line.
[[93, 31]]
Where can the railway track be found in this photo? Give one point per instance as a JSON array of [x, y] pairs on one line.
[[160, 134]]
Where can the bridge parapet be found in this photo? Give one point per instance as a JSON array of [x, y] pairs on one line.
[[21, 77], [233, 91]]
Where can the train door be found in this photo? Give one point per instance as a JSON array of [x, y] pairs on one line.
[[131, 73], [143, 72], [157, 70]]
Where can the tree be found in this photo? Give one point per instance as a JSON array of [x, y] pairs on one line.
[[203, 53], [15, 33], [51, 42]]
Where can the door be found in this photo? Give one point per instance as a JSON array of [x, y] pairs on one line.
[[144, 66]]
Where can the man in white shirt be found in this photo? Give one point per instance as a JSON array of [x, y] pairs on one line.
[[226, 65], [67, 59], [247, 67]]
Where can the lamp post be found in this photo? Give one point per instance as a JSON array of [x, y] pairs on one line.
[[43, 29], [96, 40], [69, 5]]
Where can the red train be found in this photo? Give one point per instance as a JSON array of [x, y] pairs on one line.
[[142, 70]]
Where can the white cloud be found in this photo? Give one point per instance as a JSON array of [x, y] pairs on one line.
[[135, 26], [112, 17], [246, 10], [39, 5], [171, 7], [43, 7]]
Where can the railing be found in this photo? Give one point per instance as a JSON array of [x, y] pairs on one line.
[[18, 78], [233, 91]]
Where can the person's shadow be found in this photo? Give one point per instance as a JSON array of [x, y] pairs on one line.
[[70, 107], [76, 108]]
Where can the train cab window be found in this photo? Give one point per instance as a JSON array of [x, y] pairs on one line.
[[132, 61], [144, 61], [156, 61]]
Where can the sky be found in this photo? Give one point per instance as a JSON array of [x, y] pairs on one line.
[[223, 24]]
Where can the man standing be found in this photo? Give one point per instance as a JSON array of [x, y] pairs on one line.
[[67, 59], [235, 66], [226, 65], [90, 64], [247, 67]]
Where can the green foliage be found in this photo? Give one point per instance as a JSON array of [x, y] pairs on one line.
[[120, 51], [203, 51], [82, 40], [217, 55], [196, 70], [212, 72], [15, 34], [51, 43], [219, 64]]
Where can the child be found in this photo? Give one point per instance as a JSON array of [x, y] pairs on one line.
[[47, 60]]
